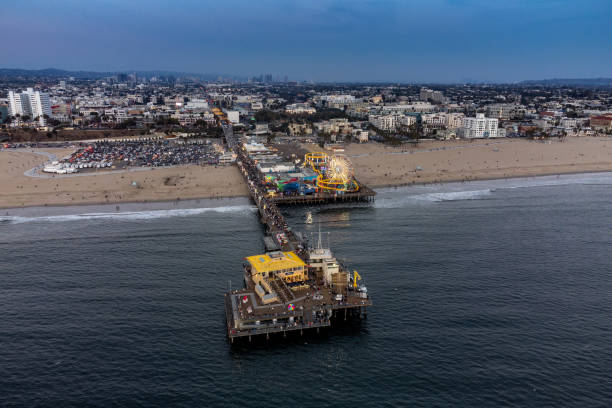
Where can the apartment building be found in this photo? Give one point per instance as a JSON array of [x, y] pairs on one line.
[[479, 127], [35, 104], [384, 122]]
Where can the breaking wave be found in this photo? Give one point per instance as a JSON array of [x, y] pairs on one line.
[[396, 197], [398, 202], [129, 215]]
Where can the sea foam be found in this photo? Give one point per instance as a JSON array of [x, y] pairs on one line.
[[129, 215]]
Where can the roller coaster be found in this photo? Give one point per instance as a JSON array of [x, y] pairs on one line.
[[335, 173]]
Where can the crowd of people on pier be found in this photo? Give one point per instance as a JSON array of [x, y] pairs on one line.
[[257, 187]]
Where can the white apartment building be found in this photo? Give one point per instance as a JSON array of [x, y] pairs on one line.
[[479, 127], [33, 103], [19, 104], [434, 119], [383, 122], [450, 120], [406, 120], [454, 120]]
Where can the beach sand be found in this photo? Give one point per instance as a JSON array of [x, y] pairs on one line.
[[157, 184], [376, 165]]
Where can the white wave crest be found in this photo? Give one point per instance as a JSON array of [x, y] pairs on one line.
[[129, 216], [399, 202]]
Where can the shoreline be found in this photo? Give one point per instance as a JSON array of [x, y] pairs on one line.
[[188, 202], [512, 177], [119, 203], [376, 166]]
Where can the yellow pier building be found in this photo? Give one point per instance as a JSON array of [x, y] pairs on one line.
[[285, 265]]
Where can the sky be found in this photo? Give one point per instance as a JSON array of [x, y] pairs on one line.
[[440, 41]]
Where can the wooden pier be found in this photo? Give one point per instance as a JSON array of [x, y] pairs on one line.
[[365, 194], [247, 318], [310, 306]]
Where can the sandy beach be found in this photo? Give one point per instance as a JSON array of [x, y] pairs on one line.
[[442, 161], [375, 165], [156, 184]]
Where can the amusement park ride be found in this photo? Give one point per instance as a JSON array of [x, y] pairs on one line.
[[335, 173], [293, 287]]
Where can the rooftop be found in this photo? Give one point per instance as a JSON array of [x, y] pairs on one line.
[[275, 261]]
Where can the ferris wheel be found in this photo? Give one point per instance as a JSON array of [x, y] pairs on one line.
[[339, 170], [335, 173]]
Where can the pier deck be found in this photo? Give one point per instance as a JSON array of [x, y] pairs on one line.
[[364, 194], [312, 305], [245, 316]]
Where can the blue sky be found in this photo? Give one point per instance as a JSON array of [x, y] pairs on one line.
[[335, 40]]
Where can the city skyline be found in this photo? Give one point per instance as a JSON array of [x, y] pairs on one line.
[[322, 41]]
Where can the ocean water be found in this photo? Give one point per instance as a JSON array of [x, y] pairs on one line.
[[488, 294]]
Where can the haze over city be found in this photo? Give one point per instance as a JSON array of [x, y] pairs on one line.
[[404, 41]]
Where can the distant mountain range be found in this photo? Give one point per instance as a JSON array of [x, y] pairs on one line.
[[60, 73], [586, 82]]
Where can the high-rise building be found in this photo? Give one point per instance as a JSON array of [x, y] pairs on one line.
[[19, 104], [41, 105], [32, 103]]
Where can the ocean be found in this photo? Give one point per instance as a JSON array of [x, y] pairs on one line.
[[488, 294]]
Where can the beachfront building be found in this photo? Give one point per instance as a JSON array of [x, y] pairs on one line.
[[434, 119], [406, 120], [384, 122], [454, 120], [361, 135], [602, 122], [19, 104], [479, 127], [32, 103]]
